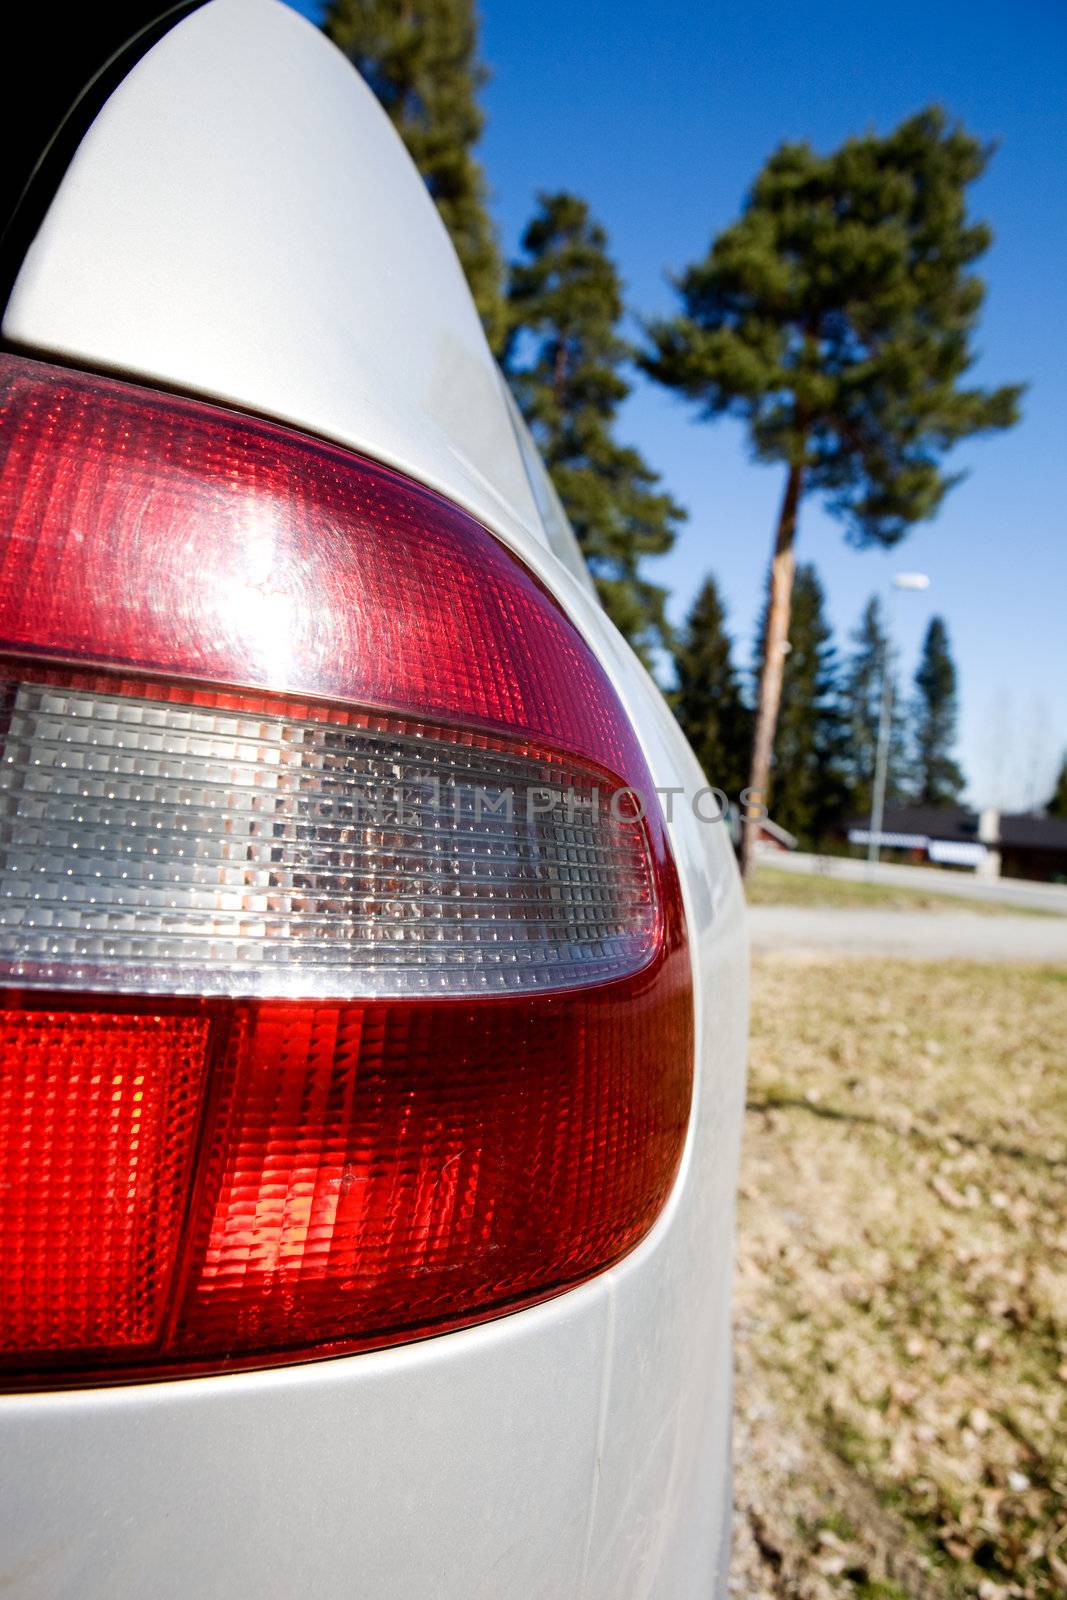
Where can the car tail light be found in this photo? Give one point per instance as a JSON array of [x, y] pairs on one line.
[[346, 995]]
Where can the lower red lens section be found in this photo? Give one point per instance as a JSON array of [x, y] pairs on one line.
[[365, 1172], [98, 1117], [386, 1166]]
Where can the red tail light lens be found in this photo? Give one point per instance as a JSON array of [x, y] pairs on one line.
[[347, 995], [98, 1115]]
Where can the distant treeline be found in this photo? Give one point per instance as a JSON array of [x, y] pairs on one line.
[[824, 753]]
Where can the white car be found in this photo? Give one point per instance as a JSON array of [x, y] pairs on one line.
[[374, 1014]]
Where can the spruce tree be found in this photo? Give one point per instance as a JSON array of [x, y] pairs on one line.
[[808, 793], [421, 60], [937, 780], [565, 357], [835, 318], [1057, 805], [708, 700], [864, 684]]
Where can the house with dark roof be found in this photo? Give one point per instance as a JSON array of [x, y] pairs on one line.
[[992, 843], [1033, 847]]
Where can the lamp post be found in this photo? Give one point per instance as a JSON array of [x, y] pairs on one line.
[[902, 580]]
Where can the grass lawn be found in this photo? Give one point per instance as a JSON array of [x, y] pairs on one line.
[[902, 1282], [772, 886]]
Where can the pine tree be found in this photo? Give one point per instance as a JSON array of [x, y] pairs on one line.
[[708, 699], [808, 793], [862, 704], [565, 358], [937, 780], [421, 60], [835, 318], [1057, 805]]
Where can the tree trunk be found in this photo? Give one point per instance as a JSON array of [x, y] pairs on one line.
[[559, 374], [783, 566]]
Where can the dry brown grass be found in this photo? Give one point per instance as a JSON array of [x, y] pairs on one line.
[[902, 1284]]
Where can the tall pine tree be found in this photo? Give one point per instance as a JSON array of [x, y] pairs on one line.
[[937, 780], [421, 60], [808, 792], [708, 699], [565, 357], [1057, 805], [835, 318], [862, 702]]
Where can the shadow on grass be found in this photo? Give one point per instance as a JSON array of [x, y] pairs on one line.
[[785, 1102]]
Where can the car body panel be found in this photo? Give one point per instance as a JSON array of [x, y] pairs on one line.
[[242, 223], [346, 1477]]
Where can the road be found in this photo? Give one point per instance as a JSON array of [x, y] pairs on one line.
[[925, 935], [937, 880]]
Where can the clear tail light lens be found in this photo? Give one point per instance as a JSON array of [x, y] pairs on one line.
[[184, 848], [346, 992]]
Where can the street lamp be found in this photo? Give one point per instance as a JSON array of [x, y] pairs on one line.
[[902, 580]]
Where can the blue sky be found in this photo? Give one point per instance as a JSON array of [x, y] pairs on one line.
[[660, 116]]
